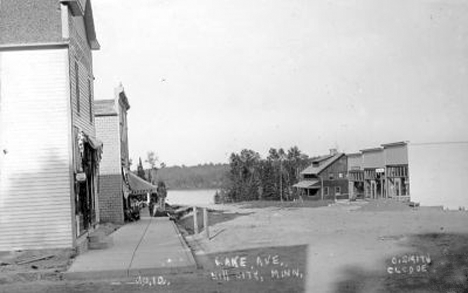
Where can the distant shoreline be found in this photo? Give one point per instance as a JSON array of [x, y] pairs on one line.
[[192, 189]]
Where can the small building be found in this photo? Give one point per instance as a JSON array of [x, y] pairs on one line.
[[112, 130], [437, 174], [49, 157], [325, 178]]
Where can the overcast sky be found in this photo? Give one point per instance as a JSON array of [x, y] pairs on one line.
[[209, 77]]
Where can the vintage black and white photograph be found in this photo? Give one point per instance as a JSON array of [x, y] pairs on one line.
[[316, 146]]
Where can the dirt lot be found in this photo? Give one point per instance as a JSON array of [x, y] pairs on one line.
[[32, 265], [377, 246]]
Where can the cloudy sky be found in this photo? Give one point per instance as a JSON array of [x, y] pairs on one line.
[[209, 77]]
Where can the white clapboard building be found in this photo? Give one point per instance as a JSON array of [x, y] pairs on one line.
[[49, 157]]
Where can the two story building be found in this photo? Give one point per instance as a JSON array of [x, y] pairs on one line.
[[49, 157], [373, 164], [112, 130], [325, 178], [396, 170], [380, 172], [116, 182], [437, 173]]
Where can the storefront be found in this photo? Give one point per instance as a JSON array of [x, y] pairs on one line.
[[137, 192], [88, 156], [373, 165], [396, 168], [355, 176]]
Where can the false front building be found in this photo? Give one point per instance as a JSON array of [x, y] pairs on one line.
[[116, 182], [380, 172]]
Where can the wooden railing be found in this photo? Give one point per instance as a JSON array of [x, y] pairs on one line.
[[205, 221], [185, 211]]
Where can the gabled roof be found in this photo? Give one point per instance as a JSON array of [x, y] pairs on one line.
[[83, 8], [321, 164]]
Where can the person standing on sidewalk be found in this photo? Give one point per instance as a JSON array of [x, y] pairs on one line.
[[162, 193], [153, 201]]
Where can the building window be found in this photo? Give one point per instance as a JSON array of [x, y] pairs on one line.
[[77, 87], [331, 176], [340, 175], [325, 191], [90, 100], [337, 190]]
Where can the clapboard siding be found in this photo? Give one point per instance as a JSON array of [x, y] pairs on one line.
[[35, 195], [80, 52], [373, 159], [354, 162], [396, 155]]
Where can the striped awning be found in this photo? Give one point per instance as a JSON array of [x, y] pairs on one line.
[[307, 184], [139, 186]]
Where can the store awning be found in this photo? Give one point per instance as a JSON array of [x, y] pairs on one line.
[[308, 184], [95, 143], [92, 142], [139, 186]]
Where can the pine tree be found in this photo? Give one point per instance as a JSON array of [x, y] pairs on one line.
[[140, 170]]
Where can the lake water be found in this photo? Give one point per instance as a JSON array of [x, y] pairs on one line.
[[191, 197]]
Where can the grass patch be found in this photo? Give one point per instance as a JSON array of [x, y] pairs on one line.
[[214, 218], [261, 204]]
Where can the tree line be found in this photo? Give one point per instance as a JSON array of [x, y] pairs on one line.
[[251, 177], [206, 176], [246, 177]]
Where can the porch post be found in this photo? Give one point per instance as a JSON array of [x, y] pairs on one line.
[[195, 220], [321, 185]]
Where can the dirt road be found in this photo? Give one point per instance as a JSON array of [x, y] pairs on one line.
[[345, 247]]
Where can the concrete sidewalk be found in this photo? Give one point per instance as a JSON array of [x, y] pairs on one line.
[[150, 246]]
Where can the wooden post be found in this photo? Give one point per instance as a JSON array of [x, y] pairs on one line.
[[206, 223], [195, 220]]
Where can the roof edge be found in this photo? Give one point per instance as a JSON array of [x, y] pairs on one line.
[[377, 149], [324, 167], [333, 160], [77, 9], [398, 143]]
